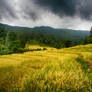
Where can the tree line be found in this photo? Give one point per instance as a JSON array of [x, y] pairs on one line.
[[15, 41]]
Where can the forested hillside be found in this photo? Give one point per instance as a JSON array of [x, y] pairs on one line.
[[61, 33], [14, 39]]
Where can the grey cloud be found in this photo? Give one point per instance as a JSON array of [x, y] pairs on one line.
[[33, 9], [29, 10], [81, 8], [6, 10], [46, 12], [85, 9]]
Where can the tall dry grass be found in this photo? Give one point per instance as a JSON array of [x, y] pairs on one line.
[[64, 70]]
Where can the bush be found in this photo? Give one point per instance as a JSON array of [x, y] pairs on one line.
[[14, 46], [38, 49], [44, 48], [20, 50], [87, 40], [5, 52]]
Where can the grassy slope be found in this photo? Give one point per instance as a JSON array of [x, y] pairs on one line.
[[64, 70]]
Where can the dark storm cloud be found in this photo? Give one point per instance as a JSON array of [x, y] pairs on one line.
[[6, 10], [33, 9], [54, 13], [81, 8], [61, 7]]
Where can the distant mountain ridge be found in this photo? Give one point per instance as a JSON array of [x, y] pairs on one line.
[[63, 33]]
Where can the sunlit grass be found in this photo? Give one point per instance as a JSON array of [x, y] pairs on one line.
[[64, 70]]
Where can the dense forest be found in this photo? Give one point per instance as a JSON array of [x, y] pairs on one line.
[[15, 41]]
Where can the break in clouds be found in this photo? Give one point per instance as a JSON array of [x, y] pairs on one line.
[[76, 14]]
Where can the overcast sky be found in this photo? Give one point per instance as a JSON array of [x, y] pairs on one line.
[[72, 14]]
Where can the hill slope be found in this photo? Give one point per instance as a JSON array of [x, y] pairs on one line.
[[47, 71], [63, 33]]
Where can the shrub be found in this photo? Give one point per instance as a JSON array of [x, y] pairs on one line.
[[38, 49], [44, 48], [5, 52], [20, 50]]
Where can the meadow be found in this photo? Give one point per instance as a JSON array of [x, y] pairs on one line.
[[51, 70]]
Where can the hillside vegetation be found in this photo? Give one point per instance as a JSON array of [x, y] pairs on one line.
[[51, 70], [13, 39], [74, 35]]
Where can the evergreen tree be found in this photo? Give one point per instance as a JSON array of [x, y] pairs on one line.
[[2, 38], [12, 42], [2, 33]]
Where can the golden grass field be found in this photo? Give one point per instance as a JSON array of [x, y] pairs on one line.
[[53, 70]]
